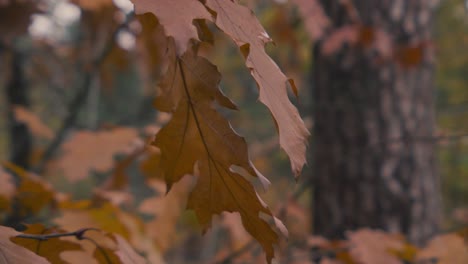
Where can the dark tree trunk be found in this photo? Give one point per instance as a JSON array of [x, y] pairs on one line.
[[374, 162], [20, 136]]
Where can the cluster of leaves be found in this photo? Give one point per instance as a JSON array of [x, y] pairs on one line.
[[197, 140]]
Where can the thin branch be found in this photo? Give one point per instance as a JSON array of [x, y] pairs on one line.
[[78, 234], [80, 98]]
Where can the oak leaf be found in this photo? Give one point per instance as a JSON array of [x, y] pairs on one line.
[[11, 253], [176, 17], [198, 140], [243, 27]]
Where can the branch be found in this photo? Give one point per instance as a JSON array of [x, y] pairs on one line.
[[78, 234], [80, 98]]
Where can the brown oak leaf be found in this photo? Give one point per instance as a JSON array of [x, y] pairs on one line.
[[198, 140], [176, 17]]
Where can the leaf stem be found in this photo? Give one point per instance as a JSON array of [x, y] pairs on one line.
[[79, 234]]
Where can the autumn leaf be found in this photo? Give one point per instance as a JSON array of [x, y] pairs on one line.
[[166, 210], [446, 249], [126, 253], [11, 253], [243, 27], [33, 193], [373, 246], [198, 140], [86, 151], [176, 17], [50, 248]]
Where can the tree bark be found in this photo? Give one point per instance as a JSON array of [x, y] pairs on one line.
[[374, 162]]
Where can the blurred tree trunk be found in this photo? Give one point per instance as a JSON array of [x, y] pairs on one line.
[[374, 161], [16, 90]]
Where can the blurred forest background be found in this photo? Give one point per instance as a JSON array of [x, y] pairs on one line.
[[76, 76]]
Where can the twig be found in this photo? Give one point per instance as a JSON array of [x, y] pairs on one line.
[[80, 98], [79, 234]]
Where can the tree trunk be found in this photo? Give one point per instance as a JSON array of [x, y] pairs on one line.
[[17, 95], [374, 162]]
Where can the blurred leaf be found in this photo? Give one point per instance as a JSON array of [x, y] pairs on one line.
[[11, 253], [86, 151], [445, 249]]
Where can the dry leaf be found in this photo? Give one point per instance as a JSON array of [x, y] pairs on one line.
[[198, 140], [33, 193], [166, 210], [11, 253], [126, 253], [87, 151], [446, 249], [243, 27], [373, 246], [176, 17]]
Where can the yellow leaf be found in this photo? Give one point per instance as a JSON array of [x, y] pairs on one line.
[[33, 193]]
